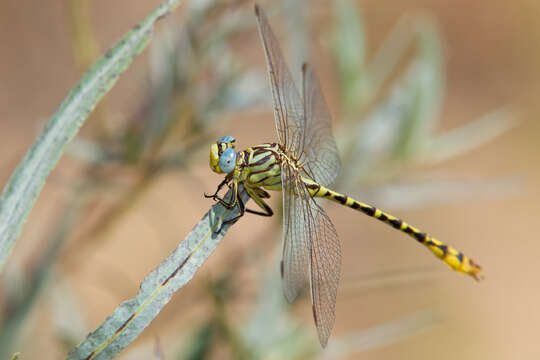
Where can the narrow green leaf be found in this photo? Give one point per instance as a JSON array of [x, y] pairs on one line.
[[469, 136], [22, 189], [131, 317], [349, 43], [424, 81], [378, 336], [433, 189]]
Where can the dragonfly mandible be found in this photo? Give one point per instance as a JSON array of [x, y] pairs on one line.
[[302, 164]]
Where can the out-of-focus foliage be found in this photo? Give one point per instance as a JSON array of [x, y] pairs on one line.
[[393, 122], [22, 189]]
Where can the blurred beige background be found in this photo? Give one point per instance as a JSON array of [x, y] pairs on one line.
[[492, 59]]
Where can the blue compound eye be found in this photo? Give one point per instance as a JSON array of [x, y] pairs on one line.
[[226, 139], [227, 160]]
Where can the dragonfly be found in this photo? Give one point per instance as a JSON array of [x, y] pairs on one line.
[[302, 164]]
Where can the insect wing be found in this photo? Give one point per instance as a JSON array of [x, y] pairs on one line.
[[324, 271], [288, 105], [321, 158], [296, 243], [310, 245], [310, 242]]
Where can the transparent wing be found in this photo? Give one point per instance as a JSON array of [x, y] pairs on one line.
[[325, 270], [310, 243], [288, 105], [321, 158], [296, 242]]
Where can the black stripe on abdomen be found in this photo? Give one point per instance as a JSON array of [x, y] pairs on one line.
[[341, 198], [396, 223]]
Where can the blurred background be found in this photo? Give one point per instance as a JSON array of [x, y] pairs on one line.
[[434, 110]]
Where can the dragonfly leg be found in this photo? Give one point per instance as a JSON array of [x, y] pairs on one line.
[[263, 194], [231, 203], [220, 186], [257, 194], [235, 200]]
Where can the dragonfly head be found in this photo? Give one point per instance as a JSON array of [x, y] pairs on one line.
[[223, 155]]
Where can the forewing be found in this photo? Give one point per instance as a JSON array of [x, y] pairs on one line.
[[296, 242], [288, 105], [321, 158]]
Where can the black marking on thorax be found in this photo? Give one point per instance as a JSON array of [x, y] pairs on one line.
[[271, 150]]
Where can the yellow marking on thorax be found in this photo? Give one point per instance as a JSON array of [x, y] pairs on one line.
[[260, 167]]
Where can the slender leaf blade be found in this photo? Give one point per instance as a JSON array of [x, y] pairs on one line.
[[469, 136], [22, 189], [131, 317], [349, 45]]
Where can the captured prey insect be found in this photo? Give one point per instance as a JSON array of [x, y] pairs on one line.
[[301, 165]]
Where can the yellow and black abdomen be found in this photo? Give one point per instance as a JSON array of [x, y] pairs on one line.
[[455, 259]]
